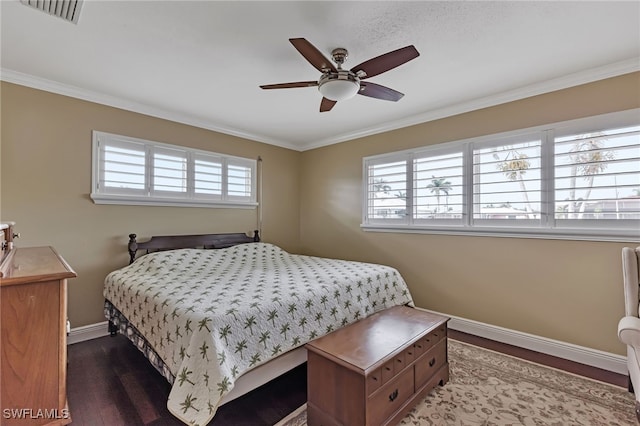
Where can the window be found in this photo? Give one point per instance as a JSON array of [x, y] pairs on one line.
[[597, 176], [208, 176], [577, 180], [138, 172], [387, 191], [123, 168], [507, 182], [169, 176], [438, 187]]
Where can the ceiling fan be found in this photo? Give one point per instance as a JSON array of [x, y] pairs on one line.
[[337, 84]]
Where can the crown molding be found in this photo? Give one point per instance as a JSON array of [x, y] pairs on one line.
[[571, 80], [27, 80], [565, 82]]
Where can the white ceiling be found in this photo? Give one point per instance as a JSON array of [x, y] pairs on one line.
[[201, 62]]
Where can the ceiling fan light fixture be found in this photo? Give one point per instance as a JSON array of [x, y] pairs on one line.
[[339, 86]]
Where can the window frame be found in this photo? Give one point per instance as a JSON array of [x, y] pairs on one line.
[[156, 197], [618, 230]]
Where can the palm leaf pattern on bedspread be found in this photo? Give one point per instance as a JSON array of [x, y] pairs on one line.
[[213, 315]]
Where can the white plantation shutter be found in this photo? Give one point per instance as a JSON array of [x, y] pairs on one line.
[[438, 187], [122, 167], [507, 182], [597, 176], [386, 195], [169, 176], [240, 179], [139, 172], [208, 176]]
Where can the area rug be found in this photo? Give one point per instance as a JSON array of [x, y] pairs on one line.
[[490, 388]]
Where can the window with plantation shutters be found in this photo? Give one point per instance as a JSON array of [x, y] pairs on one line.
[[507, 182], [597, 176], [139, 172], [386, 194], [573, 180], [169, 172], [123, 167], [239, 180], [208, 176], [438, 187]]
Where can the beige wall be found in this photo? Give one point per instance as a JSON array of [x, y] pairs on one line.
[[46, 179], [565, 290]]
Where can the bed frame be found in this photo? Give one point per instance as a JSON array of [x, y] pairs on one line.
[[259, 375], [173, 242]]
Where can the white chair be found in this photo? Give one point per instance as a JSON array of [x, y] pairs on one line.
[[629, 325]]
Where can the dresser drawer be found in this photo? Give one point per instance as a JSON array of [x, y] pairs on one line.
[[390, 397], [430, 362]]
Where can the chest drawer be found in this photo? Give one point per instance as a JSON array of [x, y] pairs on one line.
[[430, 340], [430, 362], [389, 398]]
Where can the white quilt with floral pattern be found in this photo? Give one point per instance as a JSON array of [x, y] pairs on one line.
[[213, 315]]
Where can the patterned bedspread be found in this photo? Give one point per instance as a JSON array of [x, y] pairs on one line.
[[212, 315]]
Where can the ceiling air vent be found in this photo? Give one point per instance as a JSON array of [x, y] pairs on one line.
[[69, 10]]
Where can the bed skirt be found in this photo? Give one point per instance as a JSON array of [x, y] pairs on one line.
[[123, 325]]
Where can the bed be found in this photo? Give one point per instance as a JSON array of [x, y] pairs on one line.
[[219, 322]]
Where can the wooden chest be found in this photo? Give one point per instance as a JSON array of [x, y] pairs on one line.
[[372, 372]]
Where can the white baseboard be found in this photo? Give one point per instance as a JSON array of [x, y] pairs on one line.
[[593, 357], [583, 355], [87, 332]]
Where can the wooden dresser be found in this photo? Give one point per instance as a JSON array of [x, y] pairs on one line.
[[33, 337], [373, 371], [6, 238]]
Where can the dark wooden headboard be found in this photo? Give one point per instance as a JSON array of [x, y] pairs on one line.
[[172, 242]]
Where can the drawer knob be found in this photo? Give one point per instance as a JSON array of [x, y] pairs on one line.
[[432, 362], [393, 395]]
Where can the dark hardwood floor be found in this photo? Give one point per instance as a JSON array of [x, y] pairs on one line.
[[110, 383]]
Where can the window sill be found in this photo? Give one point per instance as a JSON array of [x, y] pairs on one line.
[[625, 236], [169, 202]]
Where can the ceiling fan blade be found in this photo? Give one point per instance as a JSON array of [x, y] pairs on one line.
[[379, 92], [313, 55], [290, 85], [326, 104], [385, 62]]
